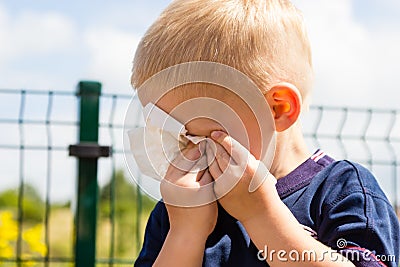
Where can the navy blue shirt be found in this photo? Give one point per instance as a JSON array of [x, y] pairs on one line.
[[338, 202]]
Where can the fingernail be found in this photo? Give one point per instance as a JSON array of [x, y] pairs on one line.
[[216, 134]]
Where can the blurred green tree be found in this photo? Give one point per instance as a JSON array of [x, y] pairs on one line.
[[124, 193], [32, 204]]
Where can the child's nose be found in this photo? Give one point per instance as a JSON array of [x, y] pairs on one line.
[[203, 126]]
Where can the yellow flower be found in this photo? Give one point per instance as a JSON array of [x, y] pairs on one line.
[[8, 227], [6, 250], [33, 238], [8, 234], [28, 263]]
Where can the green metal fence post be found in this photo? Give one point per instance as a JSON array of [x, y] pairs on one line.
[[86, 213], [88, 152]]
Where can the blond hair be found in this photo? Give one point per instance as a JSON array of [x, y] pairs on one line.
[[264, 39]]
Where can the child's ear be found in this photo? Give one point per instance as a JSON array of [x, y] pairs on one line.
[[285, 102]]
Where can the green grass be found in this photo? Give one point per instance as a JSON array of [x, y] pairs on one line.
[[61, 220]]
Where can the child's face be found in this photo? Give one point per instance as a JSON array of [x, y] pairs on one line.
[[204, 126]]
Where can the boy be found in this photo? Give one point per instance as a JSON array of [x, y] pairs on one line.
[[321, 212]]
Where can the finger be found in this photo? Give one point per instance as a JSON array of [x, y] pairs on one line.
[[214, 170], [190, 152], [222, 157], [227, 181], [210, 151], [260, 176], [202, 146], [182, 196], [206, 193], [201, 163], [238, 152], [200, 175], [184, 162], [206, 178]]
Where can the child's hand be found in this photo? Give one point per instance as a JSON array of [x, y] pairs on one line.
[[234, 166], [183, 190]]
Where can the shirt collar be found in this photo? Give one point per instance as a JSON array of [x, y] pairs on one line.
[[303, 174]]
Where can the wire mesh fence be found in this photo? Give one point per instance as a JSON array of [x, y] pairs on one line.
[[368, 136], [37, 129], [38, 179]]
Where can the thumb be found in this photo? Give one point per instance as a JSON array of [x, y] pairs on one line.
[[206, 179], [261, 175]]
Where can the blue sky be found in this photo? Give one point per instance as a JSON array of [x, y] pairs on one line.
[[52, 44], [47, 44]]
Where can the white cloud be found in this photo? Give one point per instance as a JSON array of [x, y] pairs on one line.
[[353, 63], [32, 33], [111, 54], [45, 49], [34, 46]]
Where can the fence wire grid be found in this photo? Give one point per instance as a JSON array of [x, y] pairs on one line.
[[38, 126]]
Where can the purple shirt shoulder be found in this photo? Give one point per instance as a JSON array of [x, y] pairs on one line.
[[338, 202]]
